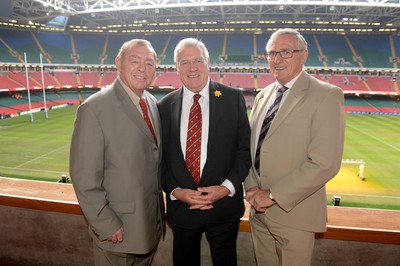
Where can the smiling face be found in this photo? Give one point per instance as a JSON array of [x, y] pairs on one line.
[[136, 67], [192, 68], [285, 69]]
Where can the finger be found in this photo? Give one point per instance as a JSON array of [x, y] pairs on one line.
[[250, 193], [201, 189], [198, 206], [119, 236], [195, 193], [195, 207], [207, 207], [201, 200]]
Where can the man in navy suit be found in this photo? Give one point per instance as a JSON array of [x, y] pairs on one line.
[[213, 204]]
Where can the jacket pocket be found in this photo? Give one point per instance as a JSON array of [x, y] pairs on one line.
[[123, 207]]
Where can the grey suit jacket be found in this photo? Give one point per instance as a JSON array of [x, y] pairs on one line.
[[115, 167], [301, 152]]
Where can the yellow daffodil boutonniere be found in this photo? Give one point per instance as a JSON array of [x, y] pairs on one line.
[[217, 93]]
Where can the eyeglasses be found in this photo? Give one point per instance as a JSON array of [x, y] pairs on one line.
[[287, 53], [187, 63]]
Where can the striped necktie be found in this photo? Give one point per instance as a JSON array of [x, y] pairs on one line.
[[273, 109], [143, 105], [193, 140]]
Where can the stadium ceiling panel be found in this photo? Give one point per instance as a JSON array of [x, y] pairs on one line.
[[202, 13]]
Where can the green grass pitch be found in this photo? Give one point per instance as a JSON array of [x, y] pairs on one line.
[[40, 150]]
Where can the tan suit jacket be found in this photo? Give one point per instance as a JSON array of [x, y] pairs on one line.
[[115, 167], [301, 152]]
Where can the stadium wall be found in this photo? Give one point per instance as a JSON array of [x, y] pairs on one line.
[[42, 224]]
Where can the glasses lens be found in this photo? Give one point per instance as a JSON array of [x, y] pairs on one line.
[[286, 53], [271, 55]]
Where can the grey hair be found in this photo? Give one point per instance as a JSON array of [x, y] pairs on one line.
[[301, 41], [139, 42], [190, 42]]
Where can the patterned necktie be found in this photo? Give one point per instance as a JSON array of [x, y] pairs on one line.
[[145, 111], [193, 141], [273, 109]]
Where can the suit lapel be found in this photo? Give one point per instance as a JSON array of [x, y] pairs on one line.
[[155, 117], [176, 110], [129, 108], [296, 93], [214, 111], [257, 115]]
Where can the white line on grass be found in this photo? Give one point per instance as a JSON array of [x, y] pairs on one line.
[[365, 195], [386, 143], [42, 156], [31, 170]]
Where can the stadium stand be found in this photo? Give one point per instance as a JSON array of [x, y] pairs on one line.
[[373, 54], [239, 48], [214, 43], [79, 64], [84, 60], [89, 47], [57, 47], [336, 50]]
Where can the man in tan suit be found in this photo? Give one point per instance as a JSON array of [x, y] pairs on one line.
[[295, 152], [115, 162]]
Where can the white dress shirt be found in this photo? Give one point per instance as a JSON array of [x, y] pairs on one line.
[[204, 101]]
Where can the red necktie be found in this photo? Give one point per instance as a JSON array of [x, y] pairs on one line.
[[145, 111], [193, 141]]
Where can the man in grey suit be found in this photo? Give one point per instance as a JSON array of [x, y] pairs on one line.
[[297, 140], [115, 162]]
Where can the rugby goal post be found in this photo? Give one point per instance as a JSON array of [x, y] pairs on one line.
[[361, 166]]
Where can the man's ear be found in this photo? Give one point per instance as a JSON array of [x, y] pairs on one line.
[[118, 63]]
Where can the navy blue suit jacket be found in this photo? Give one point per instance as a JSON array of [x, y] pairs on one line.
[[228, 155]]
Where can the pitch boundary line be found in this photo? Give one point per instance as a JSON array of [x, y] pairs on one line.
[[39, 157], [385, 143], [30, 170], [364, 195]]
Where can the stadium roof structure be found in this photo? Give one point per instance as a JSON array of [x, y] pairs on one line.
[[206, 15]]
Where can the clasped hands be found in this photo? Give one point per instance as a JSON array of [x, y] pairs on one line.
[[259, 199], [203, 198]]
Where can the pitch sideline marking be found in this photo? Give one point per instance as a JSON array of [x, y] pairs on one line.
[[365, 195], [388, 144], [39, 157]]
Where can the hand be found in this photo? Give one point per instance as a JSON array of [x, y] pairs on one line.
[[117, 236], [194, 198], [212, 194], [259, 199]]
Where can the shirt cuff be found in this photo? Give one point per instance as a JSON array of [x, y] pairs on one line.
[[172, 196], [228, 184]]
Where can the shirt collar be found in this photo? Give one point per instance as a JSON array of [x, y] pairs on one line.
[[133, 96], [204, 92]]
